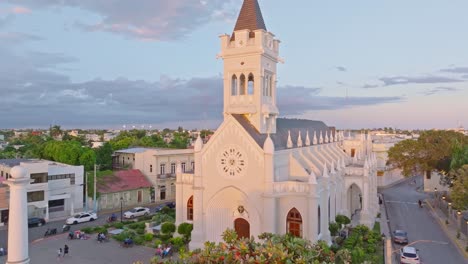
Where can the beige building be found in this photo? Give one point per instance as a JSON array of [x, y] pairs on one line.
[[158, 165], [260, 173]]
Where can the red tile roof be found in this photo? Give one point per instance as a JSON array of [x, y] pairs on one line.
[[124, 180]]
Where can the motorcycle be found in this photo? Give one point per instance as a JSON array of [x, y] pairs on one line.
[[65, 228], [111, 219], [50, 232]]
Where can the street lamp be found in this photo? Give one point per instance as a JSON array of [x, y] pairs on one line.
[[121, 209]]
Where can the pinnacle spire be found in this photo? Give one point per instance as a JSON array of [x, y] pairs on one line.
[[250, 17]]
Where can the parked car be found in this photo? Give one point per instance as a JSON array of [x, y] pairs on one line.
[[400, 237], [137, 211], [409, 255], [36, 221], [81, 218], [168, 204]]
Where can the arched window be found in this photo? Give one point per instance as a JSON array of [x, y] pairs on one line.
[[242, 85], [250, 89], [190, 208], [294, 223], [270, 87], [319, 222], [234, 85]]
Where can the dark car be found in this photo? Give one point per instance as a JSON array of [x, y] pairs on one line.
[[400, 237], [35, 221], [161, 206]]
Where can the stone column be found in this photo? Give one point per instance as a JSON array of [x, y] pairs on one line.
[[366, 218], [18, 243], [180, 212], [313, 216], [269, 201], [198, 233]]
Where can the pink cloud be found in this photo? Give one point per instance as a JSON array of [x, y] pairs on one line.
[[20, 10]]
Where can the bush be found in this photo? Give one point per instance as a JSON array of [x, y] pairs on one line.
[[334, 228], [165, 237], [88, 230], [99, 229], [185, 229], [139, 240], [161, 218], [148, 237], [138, 225], [145, 218], [178, 242], [168, 227], [118, 225], [166, 210], [140, 231], [342, 220], [157, 242]]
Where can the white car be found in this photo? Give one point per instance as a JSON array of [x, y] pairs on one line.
[[137, 211], [409, 255], [81, 217]]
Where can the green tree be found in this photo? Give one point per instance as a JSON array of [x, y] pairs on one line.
[[431, 151], [104, 156], [459, 191], [88, 159]]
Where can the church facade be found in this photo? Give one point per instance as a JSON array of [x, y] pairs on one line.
[[260, 173]]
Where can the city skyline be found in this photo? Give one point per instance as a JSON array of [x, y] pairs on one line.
[[106, 64]]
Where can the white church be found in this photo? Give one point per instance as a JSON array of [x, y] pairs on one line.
[[261, 173]]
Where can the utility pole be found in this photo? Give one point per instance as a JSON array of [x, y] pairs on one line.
[[94, 196], [86, 191]]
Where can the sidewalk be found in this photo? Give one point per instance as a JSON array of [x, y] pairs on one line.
[[385, 229], [450, 229]]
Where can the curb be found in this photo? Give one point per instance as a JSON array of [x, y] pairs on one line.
[[444, 227]]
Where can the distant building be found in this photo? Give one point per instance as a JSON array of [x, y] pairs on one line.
[[97, 144], [158, 165], [129, 187], [57, 189], [92, 137], [2, 138], [73, 133]]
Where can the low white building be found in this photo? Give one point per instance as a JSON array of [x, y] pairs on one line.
[[158, 165], [56, 190]]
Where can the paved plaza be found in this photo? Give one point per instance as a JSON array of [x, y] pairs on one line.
[[85, 252]]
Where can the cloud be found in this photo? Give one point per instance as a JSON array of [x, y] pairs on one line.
[[460, 70], [465, 76], [341, 68], [39, 96], [369, 86], [388, 81], [17, 37], [439, 90], [20, 10], [148, 19]]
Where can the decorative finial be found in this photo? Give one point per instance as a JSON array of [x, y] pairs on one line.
[[307, 141], [326, 136], [289, 143], [320, 138], [299, 140], [325, 170], [268, 146], [198, 143], [314, 140]]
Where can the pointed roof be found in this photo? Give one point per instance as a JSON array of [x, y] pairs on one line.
[[250, 16]]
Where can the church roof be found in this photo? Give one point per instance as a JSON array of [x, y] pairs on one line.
[[250, 16], [283, 127]]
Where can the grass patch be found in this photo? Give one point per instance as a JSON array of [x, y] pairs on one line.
[[377, 227]]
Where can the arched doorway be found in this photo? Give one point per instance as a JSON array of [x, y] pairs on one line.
[[294, 223], [242, 228], [190, 208], [354, 199]]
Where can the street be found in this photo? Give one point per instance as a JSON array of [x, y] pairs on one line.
[[404, 214], [38, 232]]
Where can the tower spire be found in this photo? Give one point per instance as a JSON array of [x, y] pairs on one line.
[[250, 17]]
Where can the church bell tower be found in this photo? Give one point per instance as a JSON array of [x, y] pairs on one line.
[[250, 57]]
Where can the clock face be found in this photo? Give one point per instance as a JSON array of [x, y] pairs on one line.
[[232, 162]]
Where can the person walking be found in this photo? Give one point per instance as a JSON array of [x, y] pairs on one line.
[[65, 250], [59, 253]]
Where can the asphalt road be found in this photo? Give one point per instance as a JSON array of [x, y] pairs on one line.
[[404, 213], [38, 232]]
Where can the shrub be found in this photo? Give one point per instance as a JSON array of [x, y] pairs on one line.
[[107, 225], [148, 237], [178, 242], [161, 218], [138, 225], [99, 229], [342, 220], [118, 225], [185, 229], [334, 228], [139, 240], [145, 218], [140, 231], [88, 230], [166, 210], [168, 227], [165, 237], [157, 242]]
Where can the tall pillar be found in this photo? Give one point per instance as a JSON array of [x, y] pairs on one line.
[[269, 219], [313, 216], [366, 218], [180, 212], [18, 252], [198, 233]]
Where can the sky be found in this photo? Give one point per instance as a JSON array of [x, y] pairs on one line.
[[116, 63]]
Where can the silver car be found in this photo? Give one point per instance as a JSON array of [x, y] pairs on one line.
[[409, 255]]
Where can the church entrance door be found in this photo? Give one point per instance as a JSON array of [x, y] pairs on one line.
[[242, 228]]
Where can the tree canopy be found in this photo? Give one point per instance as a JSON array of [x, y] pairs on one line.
[[433, 150]]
